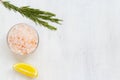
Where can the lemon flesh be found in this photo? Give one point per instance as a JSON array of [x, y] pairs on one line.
[[26, 69]]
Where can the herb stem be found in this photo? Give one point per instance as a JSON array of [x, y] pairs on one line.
[[38, 16]]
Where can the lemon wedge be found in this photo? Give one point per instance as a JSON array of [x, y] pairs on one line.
[[26, 70]]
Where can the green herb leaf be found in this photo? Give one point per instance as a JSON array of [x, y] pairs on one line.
[[38, 16]]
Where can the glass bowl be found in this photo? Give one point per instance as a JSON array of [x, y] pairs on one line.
[[22, 39]]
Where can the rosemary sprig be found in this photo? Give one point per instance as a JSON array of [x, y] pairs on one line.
[[36, 15]]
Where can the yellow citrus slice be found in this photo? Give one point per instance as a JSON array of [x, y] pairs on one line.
[[26, 69]]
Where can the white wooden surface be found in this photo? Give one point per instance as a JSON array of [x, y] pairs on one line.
[[85, 47]]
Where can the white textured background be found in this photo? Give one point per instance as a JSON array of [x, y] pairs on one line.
[[85, 47]]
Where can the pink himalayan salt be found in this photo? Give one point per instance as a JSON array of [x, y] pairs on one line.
[[22, 39]]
